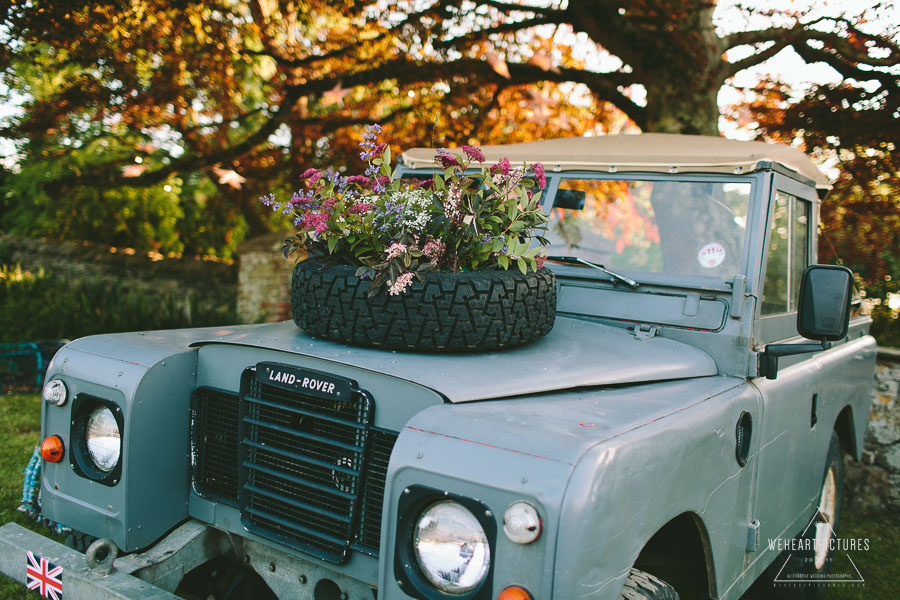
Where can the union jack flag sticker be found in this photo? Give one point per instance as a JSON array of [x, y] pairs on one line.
[[43, 576]]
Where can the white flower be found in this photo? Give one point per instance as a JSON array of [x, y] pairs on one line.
[[400, 284]]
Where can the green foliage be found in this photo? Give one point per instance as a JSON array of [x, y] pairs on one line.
[[60, 308], [395, 229], [885, 326]]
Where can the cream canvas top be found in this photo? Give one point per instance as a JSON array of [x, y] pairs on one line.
[[648, 152]]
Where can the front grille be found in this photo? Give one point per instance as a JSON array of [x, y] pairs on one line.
[[214, 444], [305, 471], [381, 443]]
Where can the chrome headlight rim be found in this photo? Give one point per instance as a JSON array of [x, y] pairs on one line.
[[413, 503], [83, 407]]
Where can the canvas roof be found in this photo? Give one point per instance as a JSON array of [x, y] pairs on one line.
[[646, 152]]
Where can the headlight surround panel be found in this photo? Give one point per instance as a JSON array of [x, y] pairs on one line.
[[83, 407], [414, 501]]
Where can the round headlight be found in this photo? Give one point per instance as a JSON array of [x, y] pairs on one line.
[[102, 438], [55, 392], [451, 548]]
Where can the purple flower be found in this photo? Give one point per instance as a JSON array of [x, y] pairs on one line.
[[538, 169], [474, 153], [298, 198]]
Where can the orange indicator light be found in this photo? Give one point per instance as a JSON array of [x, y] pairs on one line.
[[52, 449], [514, 592]]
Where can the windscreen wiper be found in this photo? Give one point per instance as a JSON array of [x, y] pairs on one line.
[[574, 260]]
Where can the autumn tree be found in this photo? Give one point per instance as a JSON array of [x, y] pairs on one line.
[[851, 128], [244, 95]]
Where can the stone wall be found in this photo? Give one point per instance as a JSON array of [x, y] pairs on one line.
[[199, 280], [264, 280], [874, 484]]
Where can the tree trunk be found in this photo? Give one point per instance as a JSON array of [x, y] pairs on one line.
[[679, 107]]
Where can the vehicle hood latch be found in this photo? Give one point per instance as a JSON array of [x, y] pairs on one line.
[[643, 331]]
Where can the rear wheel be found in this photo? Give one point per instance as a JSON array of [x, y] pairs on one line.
[[644, 586]]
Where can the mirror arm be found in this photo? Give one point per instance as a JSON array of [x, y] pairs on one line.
[[774, 351]]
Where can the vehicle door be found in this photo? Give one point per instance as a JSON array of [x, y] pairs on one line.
[[793, 442]]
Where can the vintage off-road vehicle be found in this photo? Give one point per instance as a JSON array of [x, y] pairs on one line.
[[657, 441]]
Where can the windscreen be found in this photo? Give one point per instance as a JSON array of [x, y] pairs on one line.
[[668, 227]]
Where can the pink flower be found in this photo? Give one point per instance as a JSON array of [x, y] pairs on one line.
[[539, 260], [314, 179], [434, 250], [360, 180], [395, 250], [309, 173], [328, 203], [427, 184], [315, 221], [538, 169], [447, 160], [474, 153], [380, 181], [502, 166], [378, 150], [360, 207], [298, 199], [400, 284]]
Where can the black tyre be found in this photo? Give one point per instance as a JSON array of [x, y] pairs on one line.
[[644, 586], [803, 574], [79, 541], [449, 312]]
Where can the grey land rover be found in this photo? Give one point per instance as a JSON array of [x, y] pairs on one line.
[[692, 404]]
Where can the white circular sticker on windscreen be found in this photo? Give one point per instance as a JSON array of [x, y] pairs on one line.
[[711, 255]]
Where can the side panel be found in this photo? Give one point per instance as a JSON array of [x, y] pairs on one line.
[[625, 489], [151, 496], [792, 461], [639, 453]]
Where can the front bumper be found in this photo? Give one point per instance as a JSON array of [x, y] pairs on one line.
[[155, 573], [76, 580]]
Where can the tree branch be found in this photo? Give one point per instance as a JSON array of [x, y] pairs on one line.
[[802, 32], [732, 69], [293, 63], [604, 86], [481, 34], [508, 8], [195, 162]]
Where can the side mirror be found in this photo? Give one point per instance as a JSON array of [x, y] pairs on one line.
[[823, 314], [825, 294]]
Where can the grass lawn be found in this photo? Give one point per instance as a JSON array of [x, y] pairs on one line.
[[879, 566], [20, 431]]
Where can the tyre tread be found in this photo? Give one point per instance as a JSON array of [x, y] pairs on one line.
[[465, 312], [641, 585]]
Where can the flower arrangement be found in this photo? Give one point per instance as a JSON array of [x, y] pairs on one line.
[[395, 230]]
